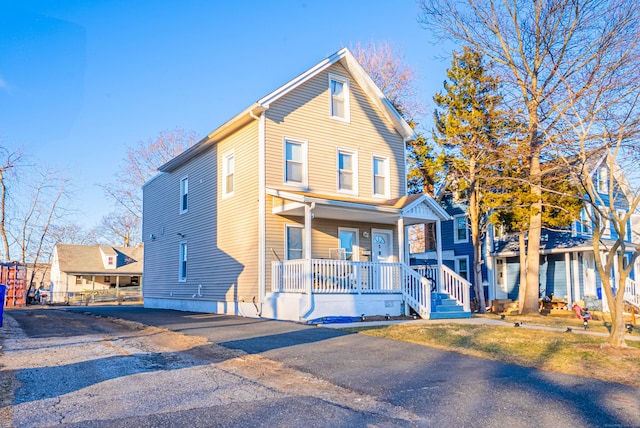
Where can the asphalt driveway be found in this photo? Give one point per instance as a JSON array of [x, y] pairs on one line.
[[443, 388]]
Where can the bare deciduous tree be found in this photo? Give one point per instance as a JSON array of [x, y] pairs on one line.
[[554, 57], [8, 162]]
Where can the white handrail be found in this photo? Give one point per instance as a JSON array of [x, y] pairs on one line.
[[456, 286]]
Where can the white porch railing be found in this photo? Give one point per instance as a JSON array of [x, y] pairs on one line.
[[335, 277], [632, 292], [452, 283], [417, 291], [456, 286]]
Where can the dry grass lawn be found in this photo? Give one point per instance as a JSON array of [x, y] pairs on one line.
[[562, 352]]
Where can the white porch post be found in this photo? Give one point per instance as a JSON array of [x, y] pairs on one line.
[[491, 274], [439, 253], [567, 269], [576, 278], [308, 216], [402, 251]]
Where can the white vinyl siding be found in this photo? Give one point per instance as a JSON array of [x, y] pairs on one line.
[[184, 194], [339, 98], [228, 171], [347, 171]]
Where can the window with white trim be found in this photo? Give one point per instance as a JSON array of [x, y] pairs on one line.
[[228, 173], [294, 241], [603, 180], [347, 171], [182, 269], [339, 97], [348, 239], [381, 187], [460, 229], [583, 225], [462, 266], [184, 195], [295, 160]]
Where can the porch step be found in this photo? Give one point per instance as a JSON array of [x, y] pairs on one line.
[[444, 307]]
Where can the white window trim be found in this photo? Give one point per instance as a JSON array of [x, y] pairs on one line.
[[225, 172], [356, 243], [305, 160], [456, 266], [181, 277], [354, 170], [455, 230], [288, 226], [603, 185], [182, 193], [347, 96], [387, 171]]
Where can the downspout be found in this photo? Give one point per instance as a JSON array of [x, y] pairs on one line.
[[262, 218], [308, 216]]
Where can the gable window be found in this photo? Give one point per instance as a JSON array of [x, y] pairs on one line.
[[182, 270], [603, 180], [347, 171], [184, 194], [462, 266], [381, 176], [295, 159], [460, 232], [228, 172], [348, 238], [339, 93], [294, 242]]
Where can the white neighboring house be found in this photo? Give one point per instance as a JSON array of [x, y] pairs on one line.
[[86, 268]]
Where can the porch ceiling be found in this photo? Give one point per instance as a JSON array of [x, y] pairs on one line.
[[414, 210]]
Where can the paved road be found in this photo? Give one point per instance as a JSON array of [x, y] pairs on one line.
[[376, 382]]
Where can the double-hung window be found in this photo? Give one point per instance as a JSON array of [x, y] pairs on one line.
[[347, 171], [294, 242], [228, 172], [295, 159], [381, 176], [182, 270], [184, 195], [339, 97], [460, 230], [462, 266], [603, 180]]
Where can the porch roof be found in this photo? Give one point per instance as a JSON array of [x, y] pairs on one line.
[[413, 209], [551, 242]]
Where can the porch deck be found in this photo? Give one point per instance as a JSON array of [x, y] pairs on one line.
[[418, 288]]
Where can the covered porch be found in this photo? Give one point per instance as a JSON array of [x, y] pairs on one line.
[[365, 271]]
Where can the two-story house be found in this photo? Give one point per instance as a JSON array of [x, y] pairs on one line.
[[294, 209], [567, 266]]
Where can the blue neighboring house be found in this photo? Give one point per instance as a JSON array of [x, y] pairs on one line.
[[567, 267], [457, 248]]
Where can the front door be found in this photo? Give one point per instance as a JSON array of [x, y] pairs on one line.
[[382, 252]]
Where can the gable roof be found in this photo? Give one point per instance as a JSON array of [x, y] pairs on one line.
[[87, 259], [346, 59]]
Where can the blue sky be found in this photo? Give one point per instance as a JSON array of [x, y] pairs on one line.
[[80, 81]]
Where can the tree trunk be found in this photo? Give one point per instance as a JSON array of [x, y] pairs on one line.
[[3, 230], [523, 271], [474, 221], [535, 228]]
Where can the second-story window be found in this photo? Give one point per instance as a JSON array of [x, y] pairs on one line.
[[347, 171], [380, 176], [295, 171], [184, 194], [460, 231], [228, 172], [339, 93], [603, 180]]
